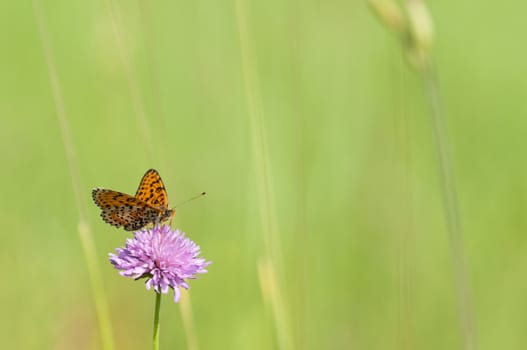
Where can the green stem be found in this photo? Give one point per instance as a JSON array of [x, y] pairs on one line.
[[156, 322]]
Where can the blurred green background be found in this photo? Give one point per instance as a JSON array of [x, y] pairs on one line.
[[358, 243]]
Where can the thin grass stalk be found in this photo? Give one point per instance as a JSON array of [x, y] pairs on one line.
[[416, 32], [188, 320], [405, 221], [133, 84], [145, 15], [272, 259], [299, 315], [450, 199], [88, 245]]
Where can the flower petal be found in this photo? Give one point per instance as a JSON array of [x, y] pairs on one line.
[[167, 256]]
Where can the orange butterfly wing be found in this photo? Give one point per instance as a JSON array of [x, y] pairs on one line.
[[120, 209], [152, 191]]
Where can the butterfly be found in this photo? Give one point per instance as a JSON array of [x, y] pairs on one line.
[[148, 206]]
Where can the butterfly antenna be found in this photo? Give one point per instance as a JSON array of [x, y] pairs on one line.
[[190, 199]]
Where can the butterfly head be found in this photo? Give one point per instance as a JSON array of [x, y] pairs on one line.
[[169, 214], [163, 215]]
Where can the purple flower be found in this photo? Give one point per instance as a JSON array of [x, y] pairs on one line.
[[164, 257]]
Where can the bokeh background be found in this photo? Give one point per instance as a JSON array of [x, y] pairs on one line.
[[312, 137]]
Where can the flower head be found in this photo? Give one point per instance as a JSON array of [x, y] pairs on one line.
[[164, 257]]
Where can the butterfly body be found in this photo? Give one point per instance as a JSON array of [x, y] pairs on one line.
[[148, 206]]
